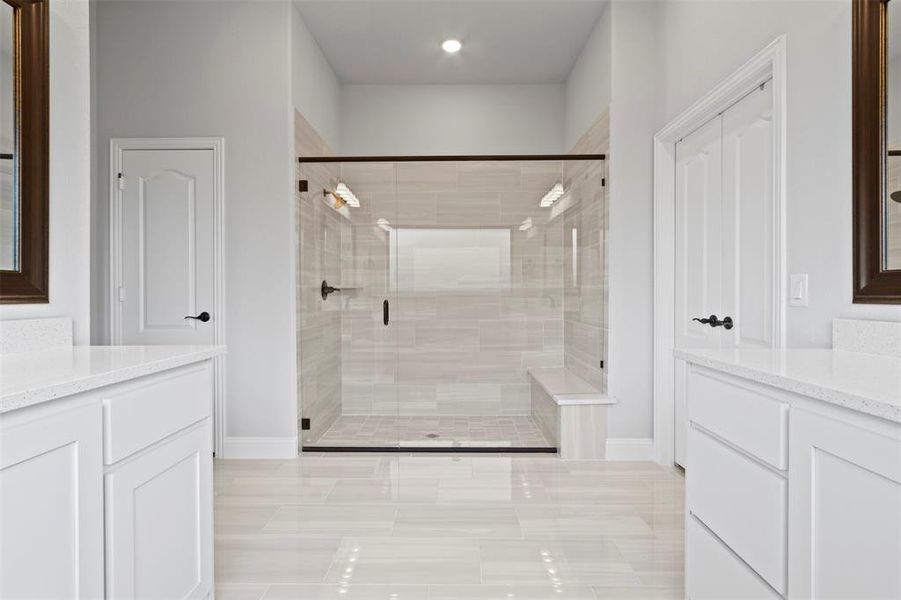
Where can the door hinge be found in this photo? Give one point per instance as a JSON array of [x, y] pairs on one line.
[[304, 424], [603, 182], [121, 294], [121, 179]]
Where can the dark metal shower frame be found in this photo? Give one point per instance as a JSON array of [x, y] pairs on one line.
[[451, 158]]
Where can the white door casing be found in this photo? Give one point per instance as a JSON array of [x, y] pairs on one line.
[[167, 229], [752, 220]]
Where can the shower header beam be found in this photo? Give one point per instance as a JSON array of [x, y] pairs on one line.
[[449, 158]]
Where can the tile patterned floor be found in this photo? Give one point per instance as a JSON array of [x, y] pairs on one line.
[[452, 431], [445, 527]]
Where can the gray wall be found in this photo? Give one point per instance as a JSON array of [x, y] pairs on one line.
[[214, 69], [451, 119], [315, 88]]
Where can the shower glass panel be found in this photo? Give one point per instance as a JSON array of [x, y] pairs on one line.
[[348, 355], [483, 276]]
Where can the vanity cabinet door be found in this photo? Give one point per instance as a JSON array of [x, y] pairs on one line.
[[159, 520], [51, 503], [844, 509]]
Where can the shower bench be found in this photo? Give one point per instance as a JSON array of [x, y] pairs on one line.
[[571, 413]]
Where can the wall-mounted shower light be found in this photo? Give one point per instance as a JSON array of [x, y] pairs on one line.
[[451, 46], [343, 196], [552, 196]]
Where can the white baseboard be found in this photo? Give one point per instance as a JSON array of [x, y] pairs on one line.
[[259, 447], [630, 449]]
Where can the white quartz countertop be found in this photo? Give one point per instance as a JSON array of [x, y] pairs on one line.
[[30, 378], [867, 383]]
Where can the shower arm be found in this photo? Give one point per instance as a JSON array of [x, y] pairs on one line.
[[326, 290]]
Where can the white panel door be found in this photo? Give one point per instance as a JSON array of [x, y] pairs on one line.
[[168, 268], [698, 260], [51, 505], [844, 510], [159, 532], [726, 263], [749, 223]]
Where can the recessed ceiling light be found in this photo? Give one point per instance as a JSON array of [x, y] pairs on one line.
[[451, 46]]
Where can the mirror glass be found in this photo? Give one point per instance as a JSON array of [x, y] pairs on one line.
[[892, 237], [9, 200]]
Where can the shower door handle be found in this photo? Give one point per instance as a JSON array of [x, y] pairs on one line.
[[385, 312]]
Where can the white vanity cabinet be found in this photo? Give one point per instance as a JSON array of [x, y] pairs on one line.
[[790, 495], [51, 502], [107, 491], [845, 506], [158, 486], [736, 485]]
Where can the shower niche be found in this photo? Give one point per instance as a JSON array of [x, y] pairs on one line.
[[428, 287]]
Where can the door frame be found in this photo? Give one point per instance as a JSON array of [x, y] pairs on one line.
[[217, 145], [769, 63]]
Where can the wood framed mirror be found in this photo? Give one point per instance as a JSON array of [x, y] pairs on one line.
[[24, 151], [876, 150]]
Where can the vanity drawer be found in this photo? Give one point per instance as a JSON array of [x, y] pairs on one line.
[[742, 413], [144, 411], [713, 572], [743, 502]]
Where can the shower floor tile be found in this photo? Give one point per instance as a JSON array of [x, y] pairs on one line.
[[440, 432]]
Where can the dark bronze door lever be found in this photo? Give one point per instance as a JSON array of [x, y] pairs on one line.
[[713, 321], [202, 317]]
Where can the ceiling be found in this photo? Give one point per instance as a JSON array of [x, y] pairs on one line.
[[399, 41]]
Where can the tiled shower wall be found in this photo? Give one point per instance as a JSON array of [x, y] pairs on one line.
[[462, 335], [318, 235], [585, 270]]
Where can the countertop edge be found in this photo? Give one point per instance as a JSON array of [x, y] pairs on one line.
[[55, 391], [862, 404]]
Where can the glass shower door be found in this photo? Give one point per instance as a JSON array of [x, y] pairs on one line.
[[347, 341]]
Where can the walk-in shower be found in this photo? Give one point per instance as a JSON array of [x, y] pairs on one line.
[[427, 287]]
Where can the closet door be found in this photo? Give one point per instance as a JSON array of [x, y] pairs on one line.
[[726, 261], [698, 260], [749, 267]]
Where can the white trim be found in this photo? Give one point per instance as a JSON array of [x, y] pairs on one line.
[[217, 145], [769, 63], [641, 449], [259, 447]]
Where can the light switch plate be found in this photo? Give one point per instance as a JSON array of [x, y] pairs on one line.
[[798, 291]]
